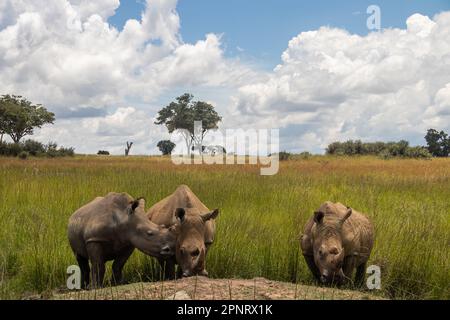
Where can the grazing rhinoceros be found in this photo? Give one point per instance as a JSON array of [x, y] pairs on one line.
[[337, 240], [195, 227], [109, 228]]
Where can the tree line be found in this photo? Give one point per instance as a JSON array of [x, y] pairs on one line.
[[438, 145], [34, 148]]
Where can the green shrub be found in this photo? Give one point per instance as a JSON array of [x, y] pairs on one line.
[[283, 156], [385, 154], [53, 151], [34, 148], [305, 155], [10, 149], [23, 155], [66, 152], [417, 152]]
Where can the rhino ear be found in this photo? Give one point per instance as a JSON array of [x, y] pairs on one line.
[[210, 215], [347, 214], [318, 217], [132, 206], [180, 214]]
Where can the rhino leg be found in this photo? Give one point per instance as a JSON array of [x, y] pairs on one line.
[[168, 266], [83, 263], [179, 272], [118, 264], [312, 266], [95, 252], [97, 274], [348, 267], [360, 274]]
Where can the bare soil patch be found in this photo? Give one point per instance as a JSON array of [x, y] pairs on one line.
[[202, 288]]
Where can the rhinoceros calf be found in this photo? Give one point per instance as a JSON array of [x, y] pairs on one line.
[[195, 225], [336, 240], [110, 228]]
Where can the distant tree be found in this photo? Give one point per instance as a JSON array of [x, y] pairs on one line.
[[19, 117], [128, 148], [438, 143], [103, 153], [181, 115], [166, 147]]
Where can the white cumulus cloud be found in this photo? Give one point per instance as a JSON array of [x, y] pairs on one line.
[[65, 55], [333, 85]]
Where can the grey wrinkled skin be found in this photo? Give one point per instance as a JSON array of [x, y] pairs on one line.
[[336, 241], [110, 228], [195, 227]]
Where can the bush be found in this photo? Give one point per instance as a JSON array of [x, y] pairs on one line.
[[385, 154], [53, 151], [66, 152], [418, 152], [23, 155], [34, 148], [305, 155], [283, 156], [10, 149], [103, 153]]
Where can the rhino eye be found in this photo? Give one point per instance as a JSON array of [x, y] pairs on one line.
[[149, 232], [195, 253]]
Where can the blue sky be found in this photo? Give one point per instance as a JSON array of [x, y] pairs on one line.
[[263, 28]]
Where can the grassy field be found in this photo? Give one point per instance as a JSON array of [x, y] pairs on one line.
[[261, 216]]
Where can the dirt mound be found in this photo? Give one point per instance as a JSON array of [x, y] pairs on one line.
[[202, 288]]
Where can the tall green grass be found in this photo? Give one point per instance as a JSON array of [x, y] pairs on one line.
[[260, 220]]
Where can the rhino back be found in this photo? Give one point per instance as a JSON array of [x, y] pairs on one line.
[[358, 235], [163, 212], [97, 221]]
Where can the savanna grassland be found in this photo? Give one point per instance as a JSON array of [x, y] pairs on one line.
[[259, 224]]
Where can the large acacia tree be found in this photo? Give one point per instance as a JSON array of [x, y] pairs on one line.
[[19, 117], [181, 115]]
